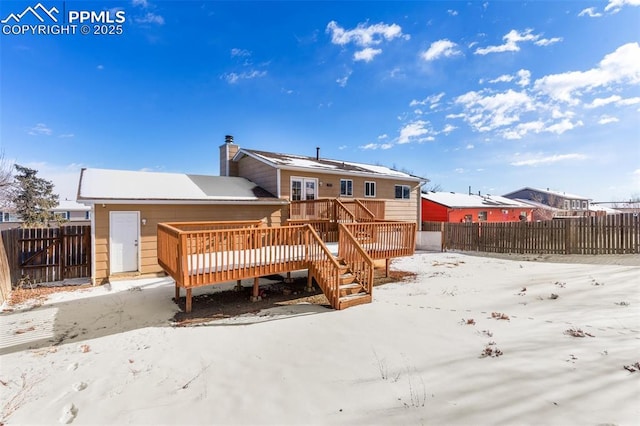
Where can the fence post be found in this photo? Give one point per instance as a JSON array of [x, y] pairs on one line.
[[61, 243], [567, 235]]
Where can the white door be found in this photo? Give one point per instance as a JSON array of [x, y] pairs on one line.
[[124, 236], [303, 189]]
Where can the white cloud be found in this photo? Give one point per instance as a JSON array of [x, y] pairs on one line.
[[383, 136], [374, 146], [364, 35], [414, 132], [538, 159], [614, 6], [547, 41], [140, 3], [233, 77], [522, 129], [511, 40], [525, 78], [606, 119], [621, 66], [342, 82], [562, 126], [40, 129], [448, 128], [441, 48], [100, 67], [470, 146], [459, 170], [502, 79], [485, 113], [433, 101], [367, 54], [66, 135], [150, 18], [452, 12], [590, 12], [240, 52]]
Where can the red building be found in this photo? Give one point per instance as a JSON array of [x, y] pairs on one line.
[[452, 207]]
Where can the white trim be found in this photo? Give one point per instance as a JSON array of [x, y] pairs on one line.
[[93, 245], [138, 254], [375, 189], [303, 187], [180, 202], [278, 182]]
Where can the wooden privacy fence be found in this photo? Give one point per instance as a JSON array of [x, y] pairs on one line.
[[613, 234], [48, 254]]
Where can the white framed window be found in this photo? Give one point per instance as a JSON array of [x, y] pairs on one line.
[[369, 189], [567, 204], [61, 215], [482, 216], [4, 216], [346, 187], [574, 204], [403, 192], [584, 205], [87, 215]]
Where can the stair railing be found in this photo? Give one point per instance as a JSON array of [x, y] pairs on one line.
[[343, 214], [356, 258], [323, 267]]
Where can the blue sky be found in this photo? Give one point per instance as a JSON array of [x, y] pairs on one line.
[[492, 95]]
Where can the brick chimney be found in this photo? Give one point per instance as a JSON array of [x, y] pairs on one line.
[[227, 151]]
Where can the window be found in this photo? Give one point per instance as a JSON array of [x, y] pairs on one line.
[[87, 215], [567, 204], [61, 215], [482, 216], [467, 218], [369, 189], [403, 192], [346, 187], [574, 204], [4, 217], [584, 205], [296, 190]]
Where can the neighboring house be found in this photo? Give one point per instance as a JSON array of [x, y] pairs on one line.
[[296, 177], [127, 206], [613, 207], [551, 204], [454, 207], [68, 211]]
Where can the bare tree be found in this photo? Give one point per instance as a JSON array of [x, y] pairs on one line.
[[6, 180]]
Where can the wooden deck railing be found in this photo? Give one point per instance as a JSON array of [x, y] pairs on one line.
[[341, 210], [321, 209], [357, 258], [343, 214], [326, 229], [385, 240], [324, 268]]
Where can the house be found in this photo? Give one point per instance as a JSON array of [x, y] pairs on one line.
[[127, 207], [297, 177], [69, 212], [455, 207], [551, 204]]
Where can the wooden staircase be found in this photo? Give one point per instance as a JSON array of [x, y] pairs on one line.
[[351, 292]]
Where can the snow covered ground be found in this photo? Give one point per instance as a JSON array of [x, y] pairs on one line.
[[470, 340]]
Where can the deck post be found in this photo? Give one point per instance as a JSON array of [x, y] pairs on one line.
[[309, 287], [177, 293], [238, 286], [288, 280], [387, 262], [255, 295], [188, 301]]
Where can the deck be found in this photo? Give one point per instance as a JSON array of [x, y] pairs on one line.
[[199, 254]]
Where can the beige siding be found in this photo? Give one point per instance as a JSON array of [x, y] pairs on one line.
[[155, 214], [259, 173]]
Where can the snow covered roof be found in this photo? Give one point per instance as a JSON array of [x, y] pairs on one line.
[[452, 199], [70, 205], [290, 161], [551, 192], [99, 185]]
